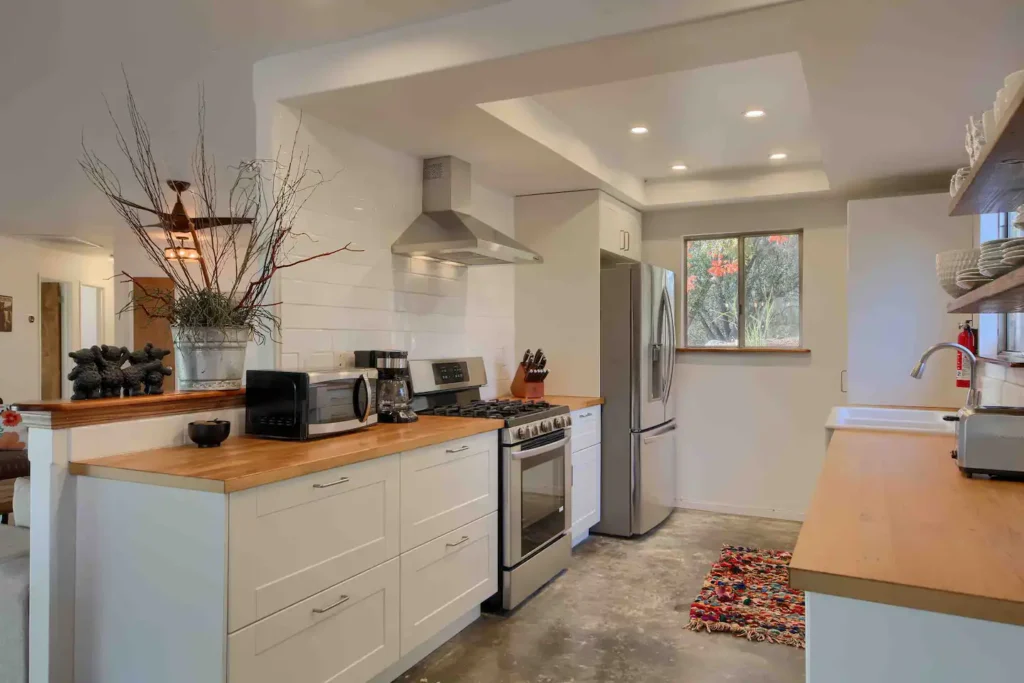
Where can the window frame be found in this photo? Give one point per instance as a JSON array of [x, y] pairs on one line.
[[741, 290], [1002, 319]]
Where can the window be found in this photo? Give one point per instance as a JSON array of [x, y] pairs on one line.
[[1011, 327], [753, 305]]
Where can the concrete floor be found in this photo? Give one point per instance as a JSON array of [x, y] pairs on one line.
[[618, 614]]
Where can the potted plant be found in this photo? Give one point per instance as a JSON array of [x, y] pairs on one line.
[[221, 265]]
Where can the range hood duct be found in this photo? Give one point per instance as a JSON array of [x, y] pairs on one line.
[[446, 232]]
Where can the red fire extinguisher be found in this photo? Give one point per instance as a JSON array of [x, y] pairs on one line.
[[968, 337]]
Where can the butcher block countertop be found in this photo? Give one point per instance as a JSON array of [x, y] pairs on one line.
[[245, 462], [893, 521]]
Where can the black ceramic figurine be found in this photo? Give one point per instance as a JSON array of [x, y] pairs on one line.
[[110, 360], [86, 375], [135, 373], [157, 370]]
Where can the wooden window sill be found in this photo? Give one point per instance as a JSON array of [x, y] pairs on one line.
[[733, 349], [1002, 361]]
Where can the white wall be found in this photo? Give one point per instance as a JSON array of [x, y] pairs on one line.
[[896, 307], [23, 265], [558, 302], [372, 299], [751, 427]]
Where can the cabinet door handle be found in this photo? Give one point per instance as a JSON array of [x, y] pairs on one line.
[[456, 450], [458, 542], [627, 241], [328, 485], [321, 610]]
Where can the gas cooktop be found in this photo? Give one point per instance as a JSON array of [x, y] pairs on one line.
[[513, 411]]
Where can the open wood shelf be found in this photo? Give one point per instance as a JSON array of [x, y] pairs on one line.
[[996, 182], [1003, 295]]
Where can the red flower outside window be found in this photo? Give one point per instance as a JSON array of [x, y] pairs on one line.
[[779, 239], [691, 283]]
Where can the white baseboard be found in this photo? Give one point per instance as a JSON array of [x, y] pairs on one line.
[[768, 513]]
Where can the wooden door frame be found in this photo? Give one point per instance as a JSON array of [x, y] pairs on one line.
[[66, 340]]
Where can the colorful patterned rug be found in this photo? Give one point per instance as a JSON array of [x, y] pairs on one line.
[[747, 593]]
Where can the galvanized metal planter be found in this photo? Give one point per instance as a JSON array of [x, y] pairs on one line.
[[209, 358]]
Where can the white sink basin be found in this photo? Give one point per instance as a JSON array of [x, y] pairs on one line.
[[890, 419]]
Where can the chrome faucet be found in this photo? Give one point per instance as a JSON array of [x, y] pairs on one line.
[[973, 397]]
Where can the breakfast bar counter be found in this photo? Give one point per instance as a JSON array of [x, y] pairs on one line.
[[245, 462]]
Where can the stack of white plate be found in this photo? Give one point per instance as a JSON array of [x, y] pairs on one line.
[[990, 264], [1013, 253], [949, 263]]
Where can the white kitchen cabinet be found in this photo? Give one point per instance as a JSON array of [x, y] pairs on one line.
[[294, 538], [447, 486], [444, 578], [345, 634], [619, 228], [586, 471], [586, 491], [301, 580]]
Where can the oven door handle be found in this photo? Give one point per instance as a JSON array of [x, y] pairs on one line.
[[369, 395], [540, 450]]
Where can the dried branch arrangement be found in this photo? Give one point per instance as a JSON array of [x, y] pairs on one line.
[[238, 254]]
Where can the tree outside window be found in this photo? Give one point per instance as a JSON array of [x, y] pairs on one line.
[[743, 290]]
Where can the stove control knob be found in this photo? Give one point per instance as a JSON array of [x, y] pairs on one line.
[[521, 433], [533, 430], [558, 423], [568, 420], [545, 426]]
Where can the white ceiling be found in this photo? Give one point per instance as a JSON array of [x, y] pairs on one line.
[[696, 117], [888, 87]]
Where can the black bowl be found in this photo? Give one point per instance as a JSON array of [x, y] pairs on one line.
[[208, 433]]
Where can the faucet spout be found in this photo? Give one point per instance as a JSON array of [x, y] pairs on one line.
[[973, 397]]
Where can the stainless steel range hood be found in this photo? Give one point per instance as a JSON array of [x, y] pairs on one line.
[[447, 232]]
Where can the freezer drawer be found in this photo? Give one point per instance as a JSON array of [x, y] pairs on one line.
[[654, 495]]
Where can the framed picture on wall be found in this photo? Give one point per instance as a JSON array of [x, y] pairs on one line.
[[6, 313]]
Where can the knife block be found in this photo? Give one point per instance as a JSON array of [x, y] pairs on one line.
[[523, 389]]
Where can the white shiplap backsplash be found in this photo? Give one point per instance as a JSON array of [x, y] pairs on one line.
[[372, 299]]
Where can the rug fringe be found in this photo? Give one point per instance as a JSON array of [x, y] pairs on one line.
[[752, 634]]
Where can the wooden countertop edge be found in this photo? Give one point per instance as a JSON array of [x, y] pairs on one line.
[[733, 349], [66, 414], [229, 484], [913, 597]]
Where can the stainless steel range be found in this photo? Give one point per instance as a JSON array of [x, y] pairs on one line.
[[535, 470]]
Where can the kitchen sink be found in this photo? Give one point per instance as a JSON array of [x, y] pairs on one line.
[[890, 419]]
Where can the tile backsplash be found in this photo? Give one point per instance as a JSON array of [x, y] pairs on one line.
[[372, 299], [1001, 385]]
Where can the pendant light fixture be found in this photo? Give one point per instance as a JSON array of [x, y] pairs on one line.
[[181, 253]]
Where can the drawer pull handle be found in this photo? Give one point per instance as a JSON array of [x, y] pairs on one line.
[[321, 610], [456, 450], [585, 415], [328, 485], [459, 542]]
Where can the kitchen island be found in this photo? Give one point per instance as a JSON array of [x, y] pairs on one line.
[[900, 553], [347, 558]]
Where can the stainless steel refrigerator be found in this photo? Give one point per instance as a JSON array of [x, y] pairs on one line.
[[638, 427]]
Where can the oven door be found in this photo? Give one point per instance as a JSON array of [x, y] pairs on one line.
[[340, 404], [536, 495]]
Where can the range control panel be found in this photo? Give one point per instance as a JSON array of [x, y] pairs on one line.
[[455, 372]]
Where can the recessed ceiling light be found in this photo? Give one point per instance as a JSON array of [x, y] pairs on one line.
[[778, 156], [678, 167], [638, 130], [754, 113]]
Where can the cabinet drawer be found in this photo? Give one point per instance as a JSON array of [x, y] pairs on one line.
[[291, 539], [447, 486], [445, 578], [586, 428], [345, 634]]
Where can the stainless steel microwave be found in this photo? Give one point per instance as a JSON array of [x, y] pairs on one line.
[[309, 405]]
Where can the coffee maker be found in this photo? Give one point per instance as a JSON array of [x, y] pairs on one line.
[[393, 392]]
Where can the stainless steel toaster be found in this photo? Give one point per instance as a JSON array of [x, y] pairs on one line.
[[990, 440]]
